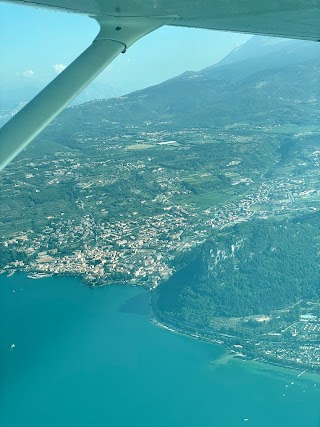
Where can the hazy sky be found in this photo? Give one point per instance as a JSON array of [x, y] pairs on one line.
[[37, 44]]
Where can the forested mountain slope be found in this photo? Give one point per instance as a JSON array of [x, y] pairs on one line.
[[265, 84], [250, 268]]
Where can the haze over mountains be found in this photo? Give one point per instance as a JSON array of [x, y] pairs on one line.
[[13, 99], [263, 75], [264, 79]]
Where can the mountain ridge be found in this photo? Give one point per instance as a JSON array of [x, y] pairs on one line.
[[234, 91]]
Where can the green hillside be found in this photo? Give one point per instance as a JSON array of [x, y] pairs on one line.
[[248, 269]]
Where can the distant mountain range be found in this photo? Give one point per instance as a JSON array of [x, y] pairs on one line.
[[264, 79]]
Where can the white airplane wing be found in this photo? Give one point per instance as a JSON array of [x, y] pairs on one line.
[[284, 18], [122, 22]]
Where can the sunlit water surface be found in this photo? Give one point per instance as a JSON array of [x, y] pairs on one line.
[[92, 357]]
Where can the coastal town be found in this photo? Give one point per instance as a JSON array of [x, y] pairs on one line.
[[139, 241], [129, 223], [141, 250]]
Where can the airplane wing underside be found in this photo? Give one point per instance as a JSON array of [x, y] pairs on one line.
[[284, 18], [122, 22]]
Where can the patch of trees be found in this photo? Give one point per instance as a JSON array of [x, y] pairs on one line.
[[262, 266], [10, 255]]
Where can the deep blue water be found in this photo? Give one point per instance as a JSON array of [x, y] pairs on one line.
[[91, 357]]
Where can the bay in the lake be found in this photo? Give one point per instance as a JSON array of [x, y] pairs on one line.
[[92, 357]]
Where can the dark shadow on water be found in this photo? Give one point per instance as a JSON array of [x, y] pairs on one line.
[[139, 304]]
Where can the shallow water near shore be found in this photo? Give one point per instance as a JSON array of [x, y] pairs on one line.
[[92, 357]]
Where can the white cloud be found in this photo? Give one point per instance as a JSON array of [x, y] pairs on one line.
[[28, 74], [58, 68]]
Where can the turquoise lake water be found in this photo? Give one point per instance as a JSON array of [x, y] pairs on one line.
[[92, 357]]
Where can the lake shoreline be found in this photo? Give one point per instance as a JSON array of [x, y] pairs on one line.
[[232, 355]]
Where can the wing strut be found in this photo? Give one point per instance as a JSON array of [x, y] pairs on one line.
[[115, 36]]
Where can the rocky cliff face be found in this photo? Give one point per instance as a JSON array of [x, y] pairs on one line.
[[250, 268]]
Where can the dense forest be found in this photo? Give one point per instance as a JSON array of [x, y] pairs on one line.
[[250, 268]]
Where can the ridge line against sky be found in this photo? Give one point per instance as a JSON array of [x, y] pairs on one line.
[[38, 44]]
